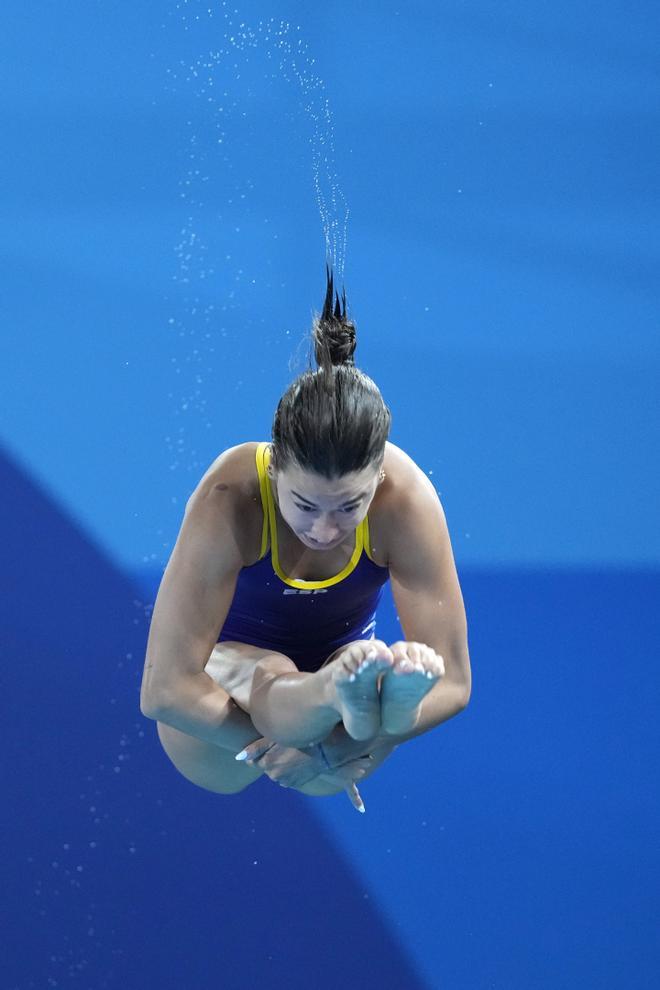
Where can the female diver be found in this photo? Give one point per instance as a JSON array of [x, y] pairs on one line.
[[262, 635]]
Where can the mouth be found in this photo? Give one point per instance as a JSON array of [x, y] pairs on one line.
[[321, 546]]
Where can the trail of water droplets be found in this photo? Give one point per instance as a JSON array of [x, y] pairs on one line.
[[224, 63], [209, 241], [276, 38]]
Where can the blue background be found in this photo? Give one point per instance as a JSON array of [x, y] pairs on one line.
[[162, 259]]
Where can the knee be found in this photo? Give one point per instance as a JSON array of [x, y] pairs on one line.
[[268, 668], [274, 664]]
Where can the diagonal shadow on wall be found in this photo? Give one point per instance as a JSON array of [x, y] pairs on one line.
[[117, 869]]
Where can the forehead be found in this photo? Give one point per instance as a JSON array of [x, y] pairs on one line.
[[310, 484]]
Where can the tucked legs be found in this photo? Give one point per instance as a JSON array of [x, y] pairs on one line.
[[292, 708]]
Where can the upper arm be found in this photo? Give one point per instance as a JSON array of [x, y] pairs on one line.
[[423, 576], [195, 593]]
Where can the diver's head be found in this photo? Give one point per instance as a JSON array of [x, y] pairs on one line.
[[329, 435]]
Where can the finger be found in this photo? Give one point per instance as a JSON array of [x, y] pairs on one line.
[[363, 763], [355, 799], [350, 774], [254, 750]]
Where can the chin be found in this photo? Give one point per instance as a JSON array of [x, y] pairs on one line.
[[310, 542]]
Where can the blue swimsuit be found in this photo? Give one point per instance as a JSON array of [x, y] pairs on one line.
[[305, 620]]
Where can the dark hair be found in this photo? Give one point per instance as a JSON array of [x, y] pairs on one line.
[[333, 420]]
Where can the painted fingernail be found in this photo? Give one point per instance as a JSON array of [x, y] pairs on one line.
[[362, 809], [242, 755], [351, 678]]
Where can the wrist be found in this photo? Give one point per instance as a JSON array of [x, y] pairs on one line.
[[323, 756], [389, 737], [384, 743]]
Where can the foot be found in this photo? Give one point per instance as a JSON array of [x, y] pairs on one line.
[[401, 692], [354, 675]]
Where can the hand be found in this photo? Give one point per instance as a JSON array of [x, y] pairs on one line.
[[342, 750], [291, 767]]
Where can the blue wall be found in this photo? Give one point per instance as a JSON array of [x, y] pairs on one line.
[[162, 259]]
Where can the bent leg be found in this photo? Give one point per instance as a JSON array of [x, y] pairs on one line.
[[291, 719], [231, 665], [291, 707], [204, 764], [239, 668]]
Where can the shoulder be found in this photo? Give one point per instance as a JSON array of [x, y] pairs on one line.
[[401, 467], [406, 497], [408, 482], [232, 478], [411, 511], [234, 469]]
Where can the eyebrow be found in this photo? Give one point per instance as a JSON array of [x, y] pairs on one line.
[[358, 498]]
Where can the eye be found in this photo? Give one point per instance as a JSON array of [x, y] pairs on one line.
[[308, 508]]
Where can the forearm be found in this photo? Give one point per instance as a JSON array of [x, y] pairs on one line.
[[201, 708]]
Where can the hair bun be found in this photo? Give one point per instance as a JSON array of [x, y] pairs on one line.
[[334, 335]]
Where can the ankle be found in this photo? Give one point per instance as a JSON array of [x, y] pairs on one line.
[[329, 692]]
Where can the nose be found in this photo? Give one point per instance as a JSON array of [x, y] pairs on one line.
[[324, 532]]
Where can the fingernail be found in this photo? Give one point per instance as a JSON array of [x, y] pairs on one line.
[[362, 809], [242, 755]]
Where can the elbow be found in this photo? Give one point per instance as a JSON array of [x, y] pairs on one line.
[[467, 692], [152, 707], [149, 711], [155, 697], [458, 678], [466, 678], [463, 689]]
